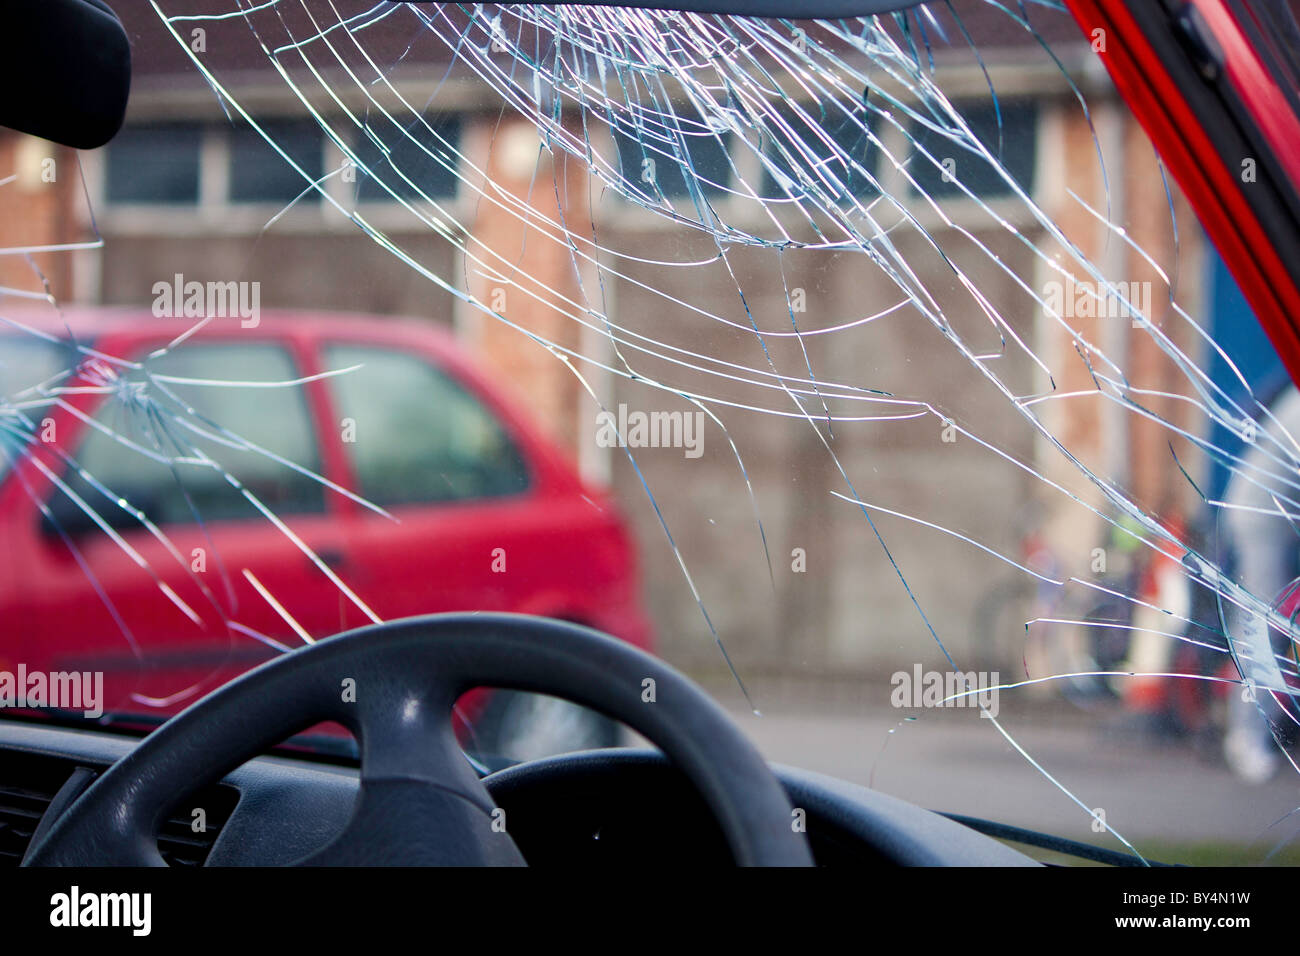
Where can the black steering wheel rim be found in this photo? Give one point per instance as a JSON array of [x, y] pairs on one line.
[[420, 802]]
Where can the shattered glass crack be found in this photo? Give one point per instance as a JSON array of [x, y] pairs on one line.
[[747, 151]]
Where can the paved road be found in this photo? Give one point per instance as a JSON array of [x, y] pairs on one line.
[[956, 761]]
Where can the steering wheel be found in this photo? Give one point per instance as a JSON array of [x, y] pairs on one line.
[[420, 802]]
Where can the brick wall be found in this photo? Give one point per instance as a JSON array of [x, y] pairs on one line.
[[37, 208]]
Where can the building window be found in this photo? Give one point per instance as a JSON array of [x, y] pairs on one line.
[[1015, 144], [420, 162], [260, 174], [650, 160], [155, 164], [162, 164], [832, 152]]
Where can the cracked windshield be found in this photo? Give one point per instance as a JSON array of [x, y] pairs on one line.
[[874, 372]]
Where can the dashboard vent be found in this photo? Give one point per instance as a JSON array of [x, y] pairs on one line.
[[179, 844], [28, 782]]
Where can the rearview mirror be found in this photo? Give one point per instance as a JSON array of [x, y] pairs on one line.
[[65, 70]]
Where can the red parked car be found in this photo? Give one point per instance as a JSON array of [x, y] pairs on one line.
[[457, 503]]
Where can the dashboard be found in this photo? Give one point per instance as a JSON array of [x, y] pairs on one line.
[[593, 809]]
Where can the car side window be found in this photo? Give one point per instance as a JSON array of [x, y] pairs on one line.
[[170, 481], [415, 435]]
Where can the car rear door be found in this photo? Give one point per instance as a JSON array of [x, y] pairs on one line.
[[463, 523]]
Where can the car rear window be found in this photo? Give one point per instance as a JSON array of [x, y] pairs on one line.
[[414, 435]]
